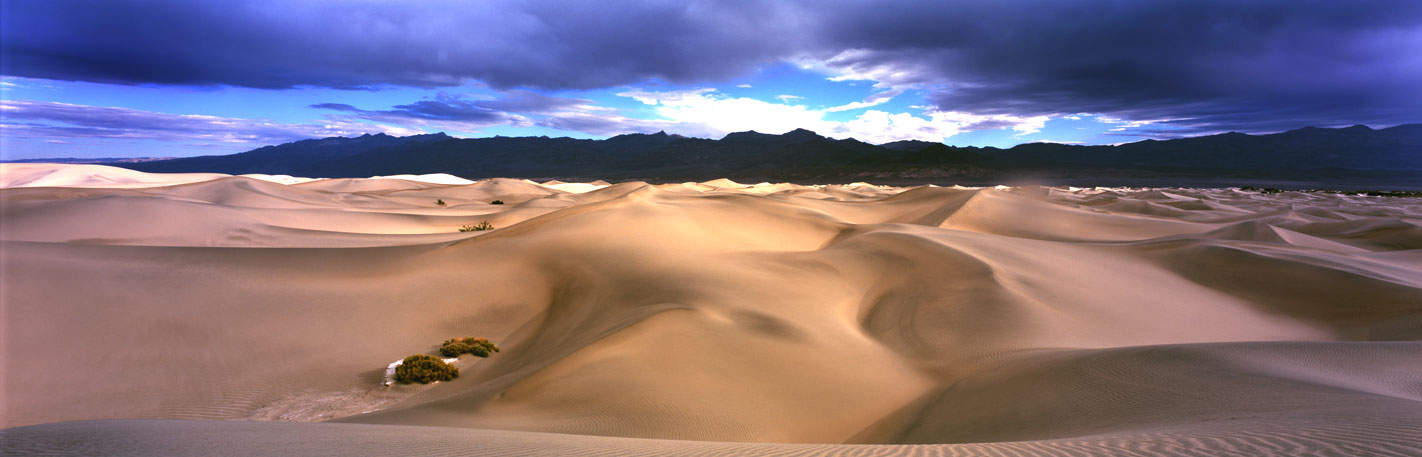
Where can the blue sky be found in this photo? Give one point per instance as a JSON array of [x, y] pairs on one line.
[[182, 78]]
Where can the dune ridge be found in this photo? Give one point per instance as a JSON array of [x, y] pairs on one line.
[[708, 317]]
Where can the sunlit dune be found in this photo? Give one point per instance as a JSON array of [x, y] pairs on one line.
[[707, 317]]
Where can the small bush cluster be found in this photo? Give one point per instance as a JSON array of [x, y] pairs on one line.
[[496, 202], [467, 345], [477, 228], [1378, 193], [1370, 193], [1262, 190], [439, 201], [424, 369]]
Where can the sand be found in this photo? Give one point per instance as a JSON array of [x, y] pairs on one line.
[[703, 318]]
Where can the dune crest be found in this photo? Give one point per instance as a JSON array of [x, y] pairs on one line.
[[1016, 320]]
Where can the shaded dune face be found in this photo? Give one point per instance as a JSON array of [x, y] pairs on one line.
[[724, 312]]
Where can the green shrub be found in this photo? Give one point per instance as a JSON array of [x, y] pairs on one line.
[[439, 201], [453, 350], [424, 369], [477, 228], [468, 345], [496, 202]]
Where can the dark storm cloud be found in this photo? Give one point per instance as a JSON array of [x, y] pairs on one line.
[[1201, 64], [281, 44]]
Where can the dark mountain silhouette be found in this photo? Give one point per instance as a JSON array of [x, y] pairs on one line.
[[289, 157], [802, 154], [1357, 147]]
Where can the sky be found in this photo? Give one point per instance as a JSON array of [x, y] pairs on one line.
[[174, 78]]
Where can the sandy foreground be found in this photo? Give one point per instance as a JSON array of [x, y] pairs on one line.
[[702, 318]]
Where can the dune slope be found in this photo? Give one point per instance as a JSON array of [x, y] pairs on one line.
[[1018, 321]]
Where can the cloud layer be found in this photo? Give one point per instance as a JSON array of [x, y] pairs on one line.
[[1204, 65], [59, 121], [358, 43], [1201, 65], [516, 108]]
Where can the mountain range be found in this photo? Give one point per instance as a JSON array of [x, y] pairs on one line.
[[805, 155]]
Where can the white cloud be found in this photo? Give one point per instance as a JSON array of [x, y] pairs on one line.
[[16, 82], [874, 99], [1124, 125], [864, 65], [1026, 125], [710, 114], [893, 77], [787, 98], [744, 86], [876, 126], [707, 113]]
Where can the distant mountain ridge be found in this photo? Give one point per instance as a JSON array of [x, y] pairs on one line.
[[804, 154]]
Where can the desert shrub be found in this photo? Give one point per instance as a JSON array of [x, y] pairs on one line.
[[496, 202], [454, 349], [477, 228], [424, 369], [439, 201], [1262, 190], [468, 345]]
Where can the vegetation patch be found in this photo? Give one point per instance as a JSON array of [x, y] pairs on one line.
[[467, 345], [496, 202], [1379, 193], [477, 228], [424, 369], [1262, 190], [439, 201], [1370, 193]]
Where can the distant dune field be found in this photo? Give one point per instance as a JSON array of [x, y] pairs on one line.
[[702, 318]]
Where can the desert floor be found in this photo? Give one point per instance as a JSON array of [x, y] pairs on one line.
[[702, 318]]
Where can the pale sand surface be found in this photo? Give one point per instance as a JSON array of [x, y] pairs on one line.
[[1349, 437], [703, 318]]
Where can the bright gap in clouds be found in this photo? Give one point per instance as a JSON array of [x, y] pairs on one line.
[[709, 113]]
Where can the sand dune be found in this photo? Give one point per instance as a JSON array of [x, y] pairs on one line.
[[707, 317], [49, 175]]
